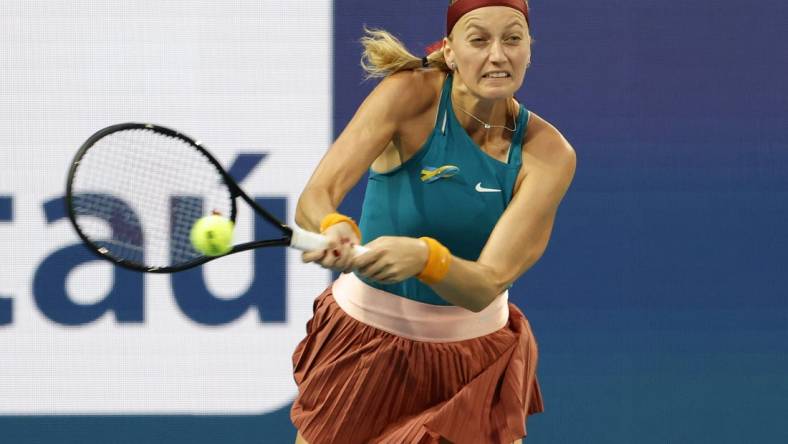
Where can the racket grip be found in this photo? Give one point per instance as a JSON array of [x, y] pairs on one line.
[[308, 241]]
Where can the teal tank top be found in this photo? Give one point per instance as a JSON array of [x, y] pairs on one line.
[[449, 190]]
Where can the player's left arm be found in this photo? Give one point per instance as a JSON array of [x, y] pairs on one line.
[[521, 235]]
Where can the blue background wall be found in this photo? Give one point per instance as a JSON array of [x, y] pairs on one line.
[[660, 306]]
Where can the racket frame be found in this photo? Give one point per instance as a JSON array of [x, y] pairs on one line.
[[234, 188]]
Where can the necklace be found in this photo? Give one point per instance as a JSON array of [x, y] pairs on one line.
[[488, 125]]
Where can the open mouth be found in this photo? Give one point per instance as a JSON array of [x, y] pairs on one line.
[[497, 75]]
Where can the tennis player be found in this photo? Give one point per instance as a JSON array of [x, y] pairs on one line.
[[416, 341]]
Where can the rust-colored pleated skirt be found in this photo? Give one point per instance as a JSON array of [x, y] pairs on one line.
[[360, 384]]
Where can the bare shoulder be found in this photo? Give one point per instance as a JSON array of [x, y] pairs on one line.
[[544, 146], [411, 93]]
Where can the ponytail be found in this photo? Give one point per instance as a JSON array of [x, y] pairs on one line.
[[385, 55]]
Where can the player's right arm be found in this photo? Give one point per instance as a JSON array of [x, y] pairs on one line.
[[393, 103]]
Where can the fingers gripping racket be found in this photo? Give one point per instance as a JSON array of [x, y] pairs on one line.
[[135, 190]]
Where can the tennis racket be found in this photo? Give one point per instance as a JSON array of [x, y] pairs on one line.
[[135, 190]]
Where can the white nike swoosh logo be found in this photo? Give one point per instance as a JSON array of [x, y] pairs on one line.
[[481, 189]]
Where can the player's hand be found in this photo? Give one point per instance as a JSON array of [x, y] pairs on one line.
[[391, 259], [338, 255]]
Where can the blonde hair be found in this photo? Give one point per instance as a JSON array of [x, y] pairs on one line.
[[385, 55]]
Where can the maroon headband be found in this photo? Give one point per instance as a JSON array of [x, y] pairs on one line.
[[462, 7]]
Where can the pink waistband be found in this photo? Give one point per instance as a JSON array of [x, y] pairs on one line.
[[416, 320]]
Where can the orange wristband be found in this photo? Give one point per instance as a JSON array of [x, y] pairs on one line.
[[335, 218], [437, 262]]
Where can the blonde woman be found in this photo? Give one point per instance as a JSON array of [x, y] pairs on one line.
[[416, 342]]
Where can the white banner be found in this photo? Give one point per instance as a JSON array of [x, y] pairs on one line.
[[243, 77]]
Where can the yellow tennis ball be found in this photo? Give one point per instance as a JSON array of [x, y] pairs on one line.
[[212, 235]]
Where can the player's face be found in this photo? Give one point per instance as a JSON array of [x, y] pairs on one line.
[[491, 48]]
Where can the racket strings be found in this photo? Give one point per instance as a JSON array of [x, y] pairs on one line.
[[138, 192]]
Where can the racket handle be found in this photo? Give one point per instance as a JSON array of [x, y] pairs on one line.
[[359, 249], [308, 241]]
